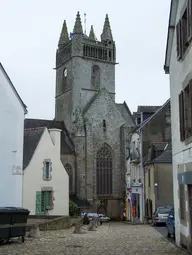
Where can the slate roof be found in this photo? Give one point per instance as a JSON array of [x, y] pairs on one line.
[[159, 146], [81, 203], [13, 87], [32, 137], [164, 157], [166, 104], [147, 108], [67, 145]]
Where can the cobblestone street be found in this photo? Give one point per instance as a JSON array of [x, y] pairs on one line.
[[114, 238]]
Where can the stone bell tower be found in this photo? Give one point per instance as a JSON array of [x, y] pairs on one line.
[[84, 66]]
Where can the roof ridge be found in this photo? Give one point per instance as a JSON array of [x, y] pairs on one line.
[[35, 128]]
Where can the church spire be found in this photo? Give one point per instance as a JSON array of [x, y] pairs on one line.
[[64, 37], [92, 34], [106, 34], [78, 26]]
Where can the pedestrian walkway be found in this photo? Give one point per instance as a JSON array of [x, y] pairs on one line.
[[109, 239]]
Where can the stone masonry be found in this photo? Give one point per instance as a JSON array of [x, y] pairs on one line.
[[85, 101]]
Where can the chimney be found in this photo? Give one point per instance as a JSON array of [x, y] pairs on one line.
[[56, 138]]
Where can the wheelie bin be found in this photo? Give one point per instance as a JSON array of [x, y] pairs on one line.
[[18, 222], [5, 224]]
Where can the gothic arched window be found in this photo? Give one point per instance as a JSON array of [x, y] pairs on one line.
[[104, 167], [95, 77], [69, 170]]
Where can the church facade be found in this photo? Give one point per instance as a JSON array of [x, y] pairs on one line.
[[98, 127]]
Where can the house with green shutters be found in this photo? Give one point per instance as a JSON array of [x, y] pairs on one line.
[[45, 180]]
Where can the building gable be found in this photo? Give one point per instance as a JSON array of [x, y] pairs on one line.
[[103, 102], [67, 145], [13, 88]]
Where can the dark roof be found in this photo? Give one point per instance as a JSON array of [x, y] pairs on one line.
[[81, 203], [159, 146], [67, 145], [14, 89], [32, 137], [147, 108], [166, 104], [164, 157]]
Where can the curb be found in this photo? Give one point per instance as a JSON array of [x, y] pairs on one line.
[[166, 239]]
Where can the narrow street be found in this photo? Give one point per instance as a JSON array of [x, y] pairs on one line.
[[113, 238]]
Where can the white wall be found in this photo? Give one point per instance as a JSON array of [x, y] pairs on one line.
[[180, 73], [135, 169], [11, 139], [33, 178]]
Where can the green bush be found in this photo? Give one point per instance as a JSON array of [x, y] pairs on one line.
[[73, 209]]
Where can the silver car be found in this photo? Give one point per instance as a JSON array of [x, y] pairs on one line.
[[160, 215]]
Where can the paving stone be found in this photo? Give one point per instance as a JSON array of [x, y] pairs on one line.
[[109, 239]]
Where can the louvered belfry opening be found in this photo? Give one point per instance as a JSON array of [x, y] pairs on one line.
[[104, 168]]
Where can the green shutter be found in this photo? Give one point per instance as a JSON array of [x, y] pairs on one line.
[[38, 203]]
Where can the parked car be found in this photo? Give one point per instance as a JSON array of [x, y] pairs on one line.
[[94, 216], [170, 224], [104, 218], [160, 215]]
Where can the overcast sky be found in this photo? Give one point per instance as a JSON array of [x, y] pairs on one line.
[[30, 31]]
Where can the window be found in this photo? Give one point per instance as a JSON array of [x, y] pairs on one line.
[[95, 79], [185, 112], [46, 200], [104, 166], [184, 30], [69, 170], [47, 170], [149, 177], [182, 200], [104, 125]]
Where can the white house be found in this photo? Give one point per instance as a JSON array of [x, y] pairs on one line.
[[136, 200], [178, 65], [46, 182], [12, 114]]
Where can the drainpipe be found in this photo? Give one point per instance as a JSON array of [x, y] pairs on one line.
[[142, 172]]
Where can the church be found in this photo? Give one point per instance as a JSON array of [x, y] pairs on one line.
[[95, 129]]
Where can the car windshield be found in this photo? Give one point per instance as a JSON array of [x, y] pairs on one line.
[[164, 210], [93, 214]]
